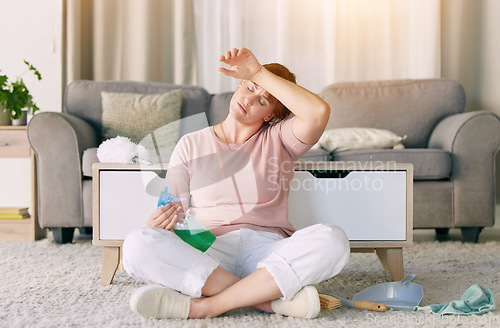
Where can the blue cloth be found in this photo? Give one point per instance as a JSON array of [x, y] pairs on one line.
[[476, 300]]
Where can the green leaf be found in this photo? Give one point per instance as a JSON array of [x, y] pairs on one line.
[[3, 81], [35, 71], [17, 99]]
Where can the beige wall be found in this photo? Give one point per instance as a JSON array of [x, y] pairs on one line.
[[471, 52]]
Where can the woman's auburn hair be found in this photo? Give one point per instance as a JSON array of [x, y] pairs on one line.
[[280, 111]]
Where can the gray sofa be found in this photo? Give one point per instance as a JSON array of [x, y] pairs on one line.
[[453, 152]]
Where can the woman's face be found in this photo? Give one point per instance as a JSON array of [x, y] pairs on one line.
[[251, 103]]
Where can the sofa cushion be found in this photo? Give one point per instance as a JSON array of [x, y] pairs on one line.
[[136, 115], [405, 107], [428, 164], [89, 157], [315, 155]]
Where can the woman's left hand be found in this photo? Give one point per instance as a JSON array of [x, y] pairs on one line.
[[243, 64]]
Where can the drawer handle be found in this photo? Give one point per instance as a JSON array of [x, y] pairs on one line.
[[3, 144]]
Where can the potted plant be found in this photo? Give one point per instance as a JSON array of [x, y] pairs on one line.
[[15, 97]]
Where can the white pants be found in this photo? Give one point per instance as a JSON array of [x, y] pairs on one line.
[[309, 256]]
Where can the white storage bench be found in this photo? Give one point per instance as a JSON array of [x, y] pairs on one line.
[[371, 201]]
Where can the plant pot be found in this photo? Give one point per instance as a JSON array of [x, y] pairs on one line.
[[22, 120], [4, 117]]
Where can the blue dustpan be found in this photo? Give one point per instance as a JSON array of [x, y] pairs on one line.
[[401, 295]]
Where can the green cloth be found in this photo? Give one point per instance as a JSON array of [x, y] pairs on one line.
[[476, 300]]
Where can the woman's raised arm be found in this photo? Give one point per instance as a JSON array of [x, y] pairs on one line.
[[312, 112]]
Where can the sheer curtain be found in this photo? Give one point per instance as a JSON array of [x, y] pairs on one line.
[[322, 41], [150, 40]]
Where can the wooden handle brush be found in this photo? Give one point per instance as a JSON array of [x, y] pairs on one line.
[[330, 302]]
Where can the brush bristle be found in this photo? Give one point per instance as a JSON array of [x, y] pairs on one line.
[[328, 302]]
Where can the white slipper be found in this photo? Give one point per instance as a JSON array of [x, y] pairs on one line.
[[156, 301], [305, 304]]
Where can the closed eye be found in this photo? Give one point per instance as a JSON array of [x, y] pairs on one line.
[[262, 100]]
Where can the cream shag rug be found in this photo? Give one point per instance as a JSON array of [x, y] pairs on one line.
[[48, 285]]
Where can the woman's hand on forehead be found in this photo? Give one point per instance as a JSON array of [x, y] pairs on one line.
[[244, 65]]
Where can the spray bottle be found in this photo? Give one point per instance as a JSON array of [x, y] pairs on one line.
[[187, 227]]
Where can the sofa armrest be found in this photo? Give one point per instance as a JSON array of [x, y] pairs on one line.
[[58, 140], [473, 139]]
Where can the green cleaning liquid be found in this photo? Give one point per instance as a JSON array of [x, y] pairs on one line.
[[200, 239], [192, 232], [187, 228]]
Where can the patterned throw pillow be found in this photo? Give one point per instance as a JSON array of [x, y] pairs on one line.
[[149, 119], [343, 139]]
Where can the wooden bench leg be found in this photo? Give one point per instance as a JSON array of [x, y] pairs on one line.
[[392, 261], [110, 262]]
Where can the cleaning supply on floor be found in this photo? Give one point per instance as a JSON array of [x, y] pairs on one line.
[[476, 300], [330, 302], [406, 296], [401, 295], [187, 227]]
